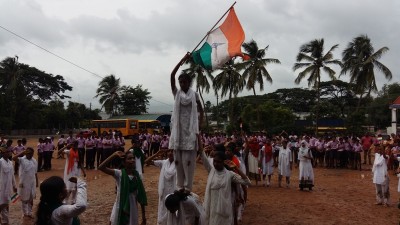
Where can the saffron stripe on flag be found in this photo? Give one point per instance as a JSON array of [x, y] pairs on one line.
[[222, 44]]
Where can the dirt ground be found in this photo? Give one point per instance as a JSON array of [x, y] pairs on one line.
[[340, 196]]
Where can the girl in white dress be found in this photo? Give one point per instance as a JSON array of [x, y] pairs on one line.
[[130, 190], [73, 168], [306, 173], [218, 196], [52, 211], [28, 180], [284, 164], [7, 184], [166, 182]]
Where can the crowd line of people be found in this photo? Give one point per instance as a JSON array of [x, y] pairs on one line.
[[230, 161], [227, 159]]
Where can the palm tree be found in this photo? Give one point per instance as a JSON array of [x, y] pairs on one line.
[[11, 73], [315, 60], [11, 83], [255, 68], [360, 60], [109, 92], [229, 81], [202, 77]]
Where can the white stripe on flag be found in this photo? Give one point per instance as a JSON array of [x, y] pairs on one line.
[[219, 45]]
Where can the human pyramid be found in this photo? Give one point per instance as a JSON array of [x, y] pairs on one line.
[[226, 159]]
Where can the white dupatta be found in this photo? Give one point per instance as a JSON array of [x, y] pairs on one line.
[[167, 174], [185, 99]]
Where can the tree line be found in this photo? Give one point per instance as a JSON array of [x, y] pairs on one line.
[[34, 99], [279, 110], [359, 61]]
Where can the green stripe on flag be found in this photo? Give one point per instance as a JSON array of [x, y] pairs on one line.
[[202, 56]]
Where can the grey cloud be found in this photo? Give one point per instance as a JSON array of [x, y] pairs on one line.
[[28, 20], [283, 25]]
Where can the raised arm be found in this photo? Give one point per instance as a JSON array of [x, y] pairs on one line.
[[15, 158], [150, 161], [70, 211], [103, 166], [204, 158], [173, 73]]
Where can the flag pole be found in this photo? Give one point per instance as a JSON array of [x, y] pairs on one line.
[[212, 28]]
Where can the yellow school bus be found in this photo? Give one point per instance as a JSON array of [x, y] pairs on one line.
[[128, 127]]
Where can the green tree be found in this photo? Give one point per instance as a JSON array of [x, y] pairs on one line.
[[23, 90], [340, 94], [134, 101], [109, 91], [17, 78], [229, 81], [355, 122], [379, 114], [75, 114], [56, 114], [326, 110], [360, 62], [275, 117], [313, 59], [255, 68], [296, 99]]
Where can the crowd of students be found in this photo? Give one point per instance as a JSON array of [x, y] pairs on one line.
[[227, 159]]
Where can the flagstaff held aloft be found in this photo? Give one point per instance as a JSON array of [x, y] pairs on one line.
[[222, 44]]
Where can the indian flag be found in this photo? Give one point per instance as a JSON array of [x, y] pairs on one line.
[[222, 44]]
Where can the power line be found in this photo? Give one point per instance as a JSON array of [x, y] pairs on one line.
[[160, 102], [48, 51], [62, 58]]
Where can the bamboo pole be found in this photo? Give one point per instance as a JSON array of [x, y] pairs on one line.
[[213, 27]]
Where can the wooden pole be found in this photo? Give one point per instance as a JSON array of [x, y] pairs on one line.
[[213, 27]]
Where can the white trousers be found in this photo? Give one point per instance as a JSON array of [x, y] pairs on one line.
[[382, 192], [185, 161], [27, 208]]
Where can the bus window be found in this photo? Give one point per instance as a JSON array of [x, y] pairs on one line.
[[133, 125], [155, 125], [120, 125], [142, 126]]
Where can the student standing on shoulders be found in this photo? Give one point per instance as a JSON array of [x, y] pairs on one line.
[[185, 123]]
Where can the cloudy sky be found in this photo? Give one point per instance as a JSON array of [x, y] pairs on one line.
[[141, 41]]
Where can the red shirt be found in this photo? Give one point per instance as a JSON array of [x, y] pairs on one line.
[[366, 142]]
